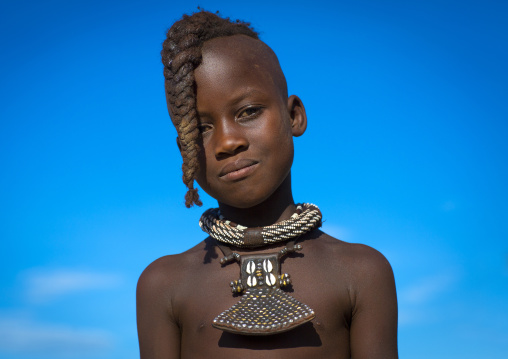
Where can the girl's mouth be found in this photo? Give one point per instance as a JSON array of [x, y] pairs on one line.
[[238, 169]]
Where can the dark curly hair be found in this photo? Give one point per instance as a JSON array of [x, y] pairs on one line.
[[181, 55]]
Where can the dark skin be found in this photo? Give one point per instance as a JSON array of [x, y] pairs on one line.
[[248, 123]]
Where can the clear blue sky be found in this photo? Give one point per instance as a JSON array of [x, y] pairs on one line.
[[406, 151]]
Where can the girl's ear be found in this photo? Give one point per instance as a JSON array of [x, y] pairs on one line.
[[297, 115]]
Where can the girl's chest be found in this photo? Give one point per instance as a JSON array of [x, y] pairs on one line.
[[207, 293]]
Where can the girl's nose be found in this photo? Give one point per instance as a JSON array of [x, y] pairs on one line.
[[230, 140]]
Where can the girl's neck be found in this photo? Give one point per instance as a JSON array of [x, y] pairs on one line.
[[278, 207]]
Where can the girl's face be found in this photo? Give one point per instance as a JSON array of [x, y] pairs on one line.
[[245, 121]]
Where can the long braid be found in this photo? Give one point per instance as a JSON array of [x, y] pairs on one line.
[[181, 55]]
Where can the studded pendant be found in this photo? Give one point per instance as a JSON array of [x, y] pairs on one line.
[[264, 308]]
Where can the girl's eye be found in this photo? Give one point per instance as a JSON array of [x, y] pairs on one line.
[[250, 112], [204, 127]]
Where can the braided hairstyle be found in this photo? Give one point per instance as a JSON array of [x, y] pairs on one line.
[[181, 55]]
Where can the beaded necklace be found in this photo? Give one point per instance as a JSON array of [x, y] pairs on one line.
[[307, 217], [263, 308]]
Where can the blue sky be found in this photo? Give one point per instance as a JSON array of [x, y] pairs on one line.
[[405, 151]]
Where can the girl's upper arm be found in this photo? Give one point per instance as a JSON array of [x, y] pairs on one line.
[[158, 331], [374, 318]]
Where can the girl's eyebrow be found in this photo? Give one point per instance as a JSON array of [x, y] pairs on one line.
[[246, 94], [236, 100]]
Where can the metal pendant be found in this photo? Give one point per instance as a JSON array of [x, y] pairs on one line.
[[264, 308]]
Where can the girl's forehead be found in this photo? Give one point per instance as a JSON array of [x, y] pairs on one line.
[[239, 45], [238, 55]]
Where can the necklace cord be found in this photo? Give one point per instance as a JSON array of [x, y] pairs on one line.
[[306, 218]]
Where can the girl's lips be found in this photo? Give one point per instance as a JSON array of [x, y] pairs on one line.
[[238, 169]]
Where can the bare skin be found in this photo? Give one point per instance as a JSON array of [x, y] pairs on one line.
[[246, 116]]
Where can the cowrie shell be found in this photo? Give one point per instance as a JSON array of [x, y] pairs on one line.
[[270, 279], [251, 281], [267, 265], [250, 267]]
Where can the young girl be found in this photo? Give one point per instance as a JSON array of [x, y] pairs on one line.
[[231, 296]]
